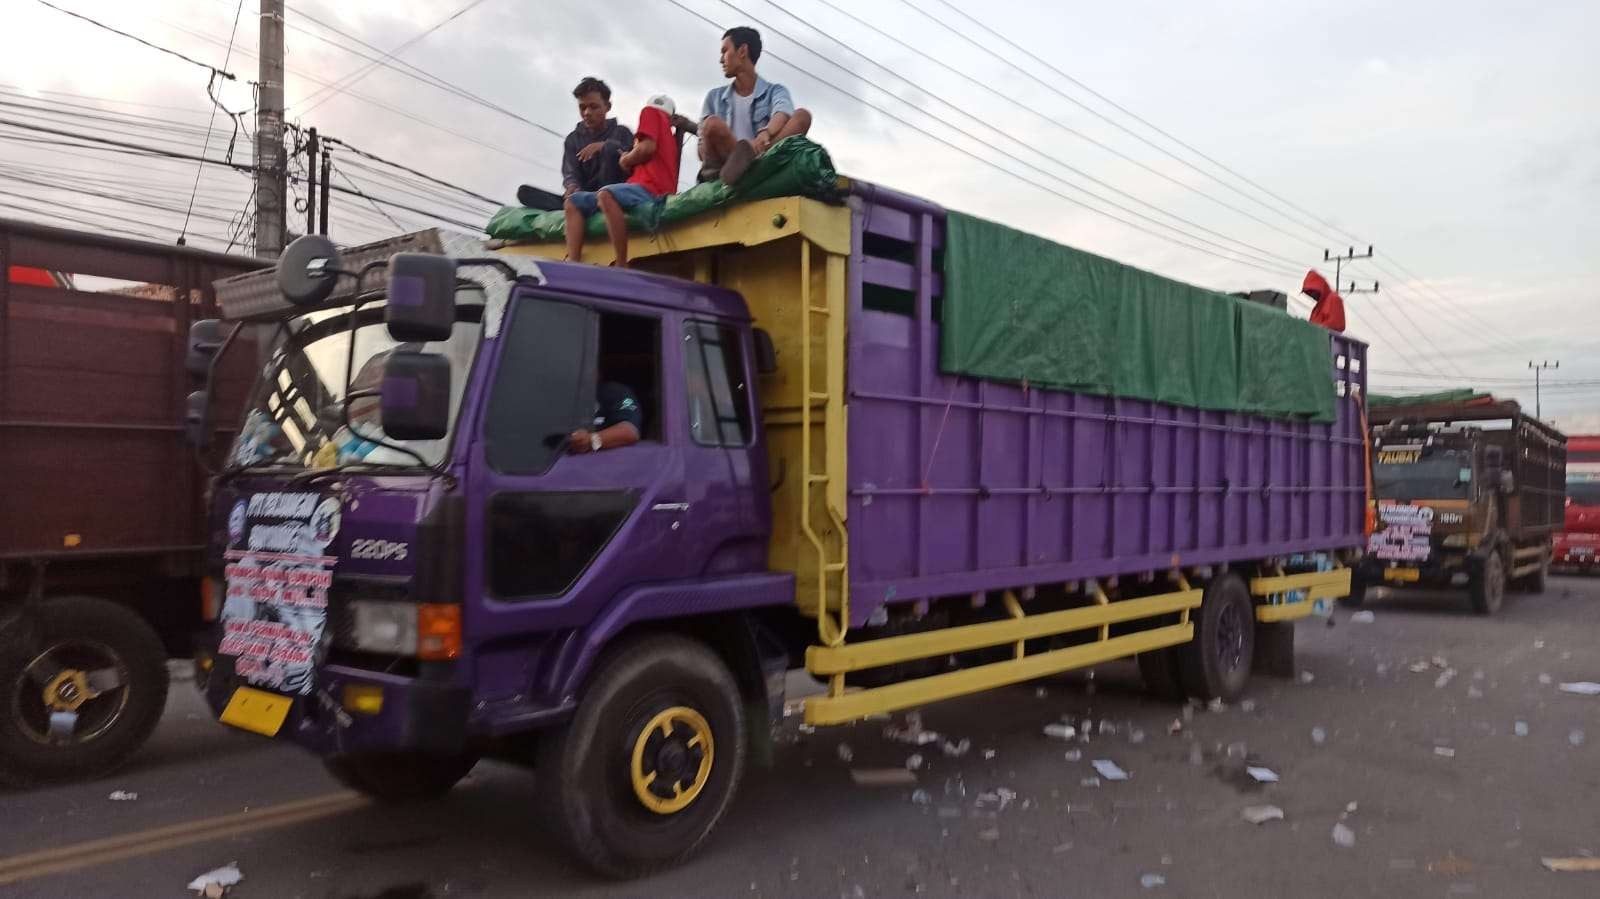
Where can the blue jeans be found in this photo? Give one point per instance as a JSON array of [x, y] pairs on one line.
[[628, 196]]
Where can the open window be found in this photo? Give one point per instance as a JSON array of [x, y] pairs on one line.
[[630, 355], [718, 393]]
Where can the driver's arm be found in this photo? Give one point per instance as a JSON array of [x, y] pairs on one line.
[[621, 421]]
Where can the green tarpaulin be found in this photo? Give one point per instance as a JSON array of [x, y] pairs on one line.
[[1018, 307], [1424, 399], [793, 166]]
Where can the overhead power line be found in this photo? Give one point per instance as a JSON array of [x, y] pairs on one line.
[[215, 105], [991, 163], [133, 37], [405, 168], [334, 90], [1263, 255]]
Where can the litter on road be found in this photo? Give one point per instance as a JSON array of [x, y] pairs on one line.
[[1582, 688], [1151, 881], [1570, 865], [1520, 728], [1444, 752], [1445, 678], [214, 883], [1362, 617], [1262, 775], [1109, 770], [1261, 814], [1060, 731], [1343, 836], [1319, 736], [122, 796]]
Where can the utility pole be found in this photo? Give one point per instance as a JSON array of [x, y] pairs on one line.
[[271, 167], [312, 146], [1537, 370], [1338, 268]]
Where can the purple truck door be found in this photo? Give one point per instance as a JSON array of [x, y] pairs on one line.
[[562, 534]]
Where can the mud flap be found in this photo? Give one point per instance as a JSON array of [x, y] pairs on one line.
[[1274, 655]]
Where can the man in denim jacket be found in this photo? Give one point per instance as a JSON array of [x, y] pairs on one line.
[[740, 121]]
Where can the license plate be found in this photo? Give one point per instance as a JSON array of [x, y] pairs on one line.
[[257, 711], [1404, 575]]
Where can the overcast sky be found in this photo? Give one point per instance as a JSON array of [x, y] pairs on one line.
[[1461, 139]]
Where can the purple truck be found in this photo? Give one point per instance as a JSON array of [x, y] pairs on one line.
[[414, 564]]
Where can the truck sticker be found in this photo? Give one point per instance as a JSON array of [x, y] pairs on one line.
[[1404, 536], [278, 574], [1399, 456]]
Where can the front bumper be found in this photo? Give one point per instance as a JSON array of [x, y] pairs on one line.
[[1436, 569], [415, 715], [1577, 552]]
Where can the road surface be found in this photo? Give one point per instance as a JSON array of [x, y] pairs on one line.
[[1427, 769]]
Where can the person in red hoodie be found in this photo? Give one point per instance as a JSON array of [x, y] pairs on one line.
[[653, 163], [1329, 311]]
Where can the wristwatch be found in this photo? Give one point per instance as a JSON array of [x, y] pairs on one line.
[[594, 442]]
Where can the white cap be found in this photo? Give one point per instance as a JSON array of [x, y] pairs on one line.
[[663, 103]]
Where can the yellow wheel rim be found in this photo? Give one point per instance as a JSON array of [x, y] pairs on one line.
[[666, 776]]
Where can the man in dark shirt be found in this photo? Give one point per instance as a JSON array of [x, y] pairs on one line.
[[618, 421], [592, 156]]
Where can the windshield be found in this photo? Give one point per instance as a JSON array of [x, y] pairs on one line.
[[297, 416], [1413, 472]]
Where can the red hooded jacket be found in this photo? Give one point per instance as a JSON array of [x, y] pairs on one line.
[[1329, 311]]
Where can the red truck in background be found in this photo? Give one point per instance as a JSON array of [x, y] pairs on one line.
[[1578, 544]]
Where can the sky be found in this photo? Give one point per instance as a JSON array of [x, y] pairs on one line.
[[1459, 139]]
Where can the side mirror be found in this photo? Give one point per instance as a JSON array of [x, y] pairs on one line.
[[197, 419], [422, 297], [1493, 457], [308, 270], [416, 396], [766, 353], [206, 338]]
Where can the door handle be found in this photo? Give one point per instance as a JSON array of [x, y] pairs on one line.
[[670, 507]]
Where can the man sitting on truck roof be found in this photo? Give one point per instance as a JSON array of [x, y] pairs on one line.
[[653, 162], [592, 156], [741, 120]]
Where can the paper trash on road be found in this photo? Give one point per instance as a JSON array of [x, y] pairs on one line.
[[1343, 836], [1060, 731], [122, 796], [1569, 865], [214, 883], [882, 777], [1151, 881], [1362, 617], [1262, 775], [1109, 770], [1261, 814], [1582, 688], [1444, 752]]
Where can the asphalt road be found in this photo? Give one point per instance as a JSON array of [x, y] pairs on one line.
[[1426, 768]]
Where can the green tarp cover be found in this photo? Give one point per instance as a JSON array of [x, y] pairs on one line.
[[794, 166], [1423, 399], [1018, 307]]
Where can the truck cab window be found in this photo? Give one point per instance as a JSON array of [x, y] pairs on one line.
[[544, 386], [719, 397]]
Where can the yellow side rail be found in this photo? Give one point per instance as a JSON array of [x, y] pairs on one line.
[[1318, 584], [834, 662]]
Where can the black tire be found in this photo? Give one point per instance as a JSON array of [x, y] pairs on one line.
[[588, 771], [1159, 668], [1487, 585], [102, 665], [1216, 663], [400, 776], [1357, 597]]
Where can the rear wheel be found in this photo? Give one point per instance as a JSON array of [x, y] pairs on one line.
[[651, 761], [1216, 663], [1487, 586], [83, 682], [400, 776]]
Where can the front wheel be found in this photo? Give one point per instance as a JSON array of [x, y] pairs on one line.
[[1487, 586], [83, 682], [1216, 663], [400, 776], [647, 767]]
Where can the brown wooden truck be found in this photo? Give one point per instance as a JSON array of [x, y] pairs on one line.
[[100, 497], [1468, 493]]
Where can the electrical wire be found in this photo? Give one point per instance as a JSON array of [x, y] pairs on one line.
[[205, 147], [133, 37], [330, 92], [405, 168]]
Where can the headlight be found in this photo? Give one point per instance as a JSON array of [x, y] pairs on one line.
[[384, 627], [1455, 541]]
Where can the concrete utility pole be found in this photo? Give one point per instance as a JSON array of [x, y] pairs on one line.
[[1338, 269], [271, 167], [1537, 370]]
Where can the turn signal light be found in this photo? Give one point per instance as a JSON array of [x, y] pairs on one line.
[[363, 699], [438, 631]]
